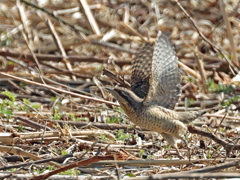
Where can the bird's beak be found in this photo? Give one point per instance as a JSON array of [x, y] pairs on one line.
[[110, 90]]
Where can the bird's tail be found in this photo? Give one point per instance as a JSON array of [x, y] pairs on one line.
[[187, 117]]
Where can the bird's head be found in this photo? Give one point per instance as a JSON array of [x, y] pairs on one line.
[[128, 100]]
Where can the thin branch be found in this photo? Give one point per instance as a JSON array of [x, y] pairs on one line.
[[19, 151], [58, 58], [206, 39], [59, 90], [90, 17], [228, 147], [59, 158], [117, 78], [60, 46], [73, 165], [75, 27], [229, 31]]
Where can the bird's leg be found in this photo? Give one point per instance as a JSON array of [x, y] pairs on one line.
[[170, 139], [189, 150], [177, 150]]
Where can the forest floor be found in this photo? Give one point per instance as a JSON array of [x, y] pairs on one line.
[[59, 122]]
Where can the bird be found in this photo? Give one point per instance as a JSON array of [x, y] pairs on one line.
[[155, 90]]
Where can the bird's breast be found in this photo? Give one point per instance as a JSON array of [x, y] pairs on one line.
[[155, 119]]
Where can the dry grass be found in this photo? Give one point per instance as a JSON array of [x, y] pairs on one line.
[[54, 108]]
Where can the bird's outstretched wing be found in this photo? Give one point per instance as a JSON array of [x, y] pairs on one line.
[[164, 82], [142, 69]]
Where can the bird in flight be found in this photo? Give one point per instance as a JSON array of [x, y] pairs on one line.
[[155, 90]]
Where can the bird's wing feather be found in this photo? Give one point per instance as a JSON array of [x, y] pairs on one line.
[[164, 83], [141, 69]]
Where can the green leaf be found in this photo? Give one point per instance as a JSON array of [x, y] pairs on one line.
[[130, 175], [190, 79], [64, 152], [102, 136], [10, 95], [8, 112], [56, 109], [26, 101], [84, 119], [189, 102], [114, 119], [72, 116], [53, 99], [5, 112], [149, 156], [12, 169], [57, 117], [20, 128], [35, 105], [50, 168], [141, 152], [211, 85]]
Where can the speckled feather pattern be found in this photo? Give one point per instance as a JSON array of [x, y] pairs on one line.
[[162, 120], [141, 69], [155, 89], [165, 78], [169, 123]]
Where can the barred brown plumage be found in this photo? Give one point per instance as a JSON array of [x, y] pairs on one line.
[[141, 69], [155, 90]]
